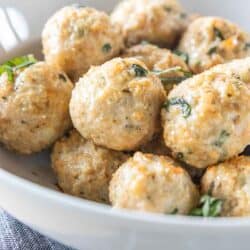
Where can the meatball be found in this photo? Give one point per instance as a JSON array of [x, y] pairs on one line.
[[206, 119], [158, 21], [153, 183], [84, 169], [212, 40], [76, 38], [230, 182], [117, 105], [157, 59], [34, 108]]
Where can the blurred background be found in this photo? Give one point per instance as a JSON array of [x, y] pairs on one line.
[[23, 19]]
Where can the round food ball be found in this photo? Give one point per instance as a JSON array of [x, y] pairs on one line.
[[76, 38], [157, 59], [153, 183], [212, 40], [34, 108], [206, 119], [117, 105], [230, 182], [158, 21], [84, 169]]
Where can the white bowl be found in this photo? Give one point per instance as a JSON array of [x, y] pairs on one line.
[[28, 189]]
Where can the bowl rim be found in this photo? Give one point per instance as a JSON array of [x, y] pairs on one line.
[[124, 215], [127, 216]]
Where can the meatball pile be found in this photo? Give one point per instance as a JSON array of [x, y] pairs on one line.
[[144, 109]]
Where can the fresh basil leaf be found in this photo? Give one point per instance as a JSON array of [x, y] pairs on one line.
[[179, 101]]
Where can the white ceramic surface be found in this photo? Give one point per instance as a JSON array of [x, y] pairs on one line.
[[27, 185]]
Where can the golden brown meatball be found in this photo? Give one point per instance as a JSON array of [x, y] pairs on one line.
[[212, 40], [117, 105], [157, 59], [153, 183], [206, 119], [230, 182], [34, 109], [76, 38], [158, 21], [84, 169]]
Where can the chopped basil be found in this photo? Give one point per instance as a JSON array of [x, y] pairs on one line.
[[138, 70], [179, 101], [208, 207], [180, 156], [218, 34], [247, 46], [17, 63], [167, 8], [212, 50], [221, 139], [173, 79], [62, 77], [183, 55], [183, 15], [175, 211], [106, 48]]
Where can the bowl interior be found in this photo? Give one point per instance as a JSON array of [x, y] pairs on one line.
[[36, 168]]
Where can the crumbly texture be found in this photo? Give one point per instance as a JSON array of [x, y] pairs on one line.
[[239, 68], [158, 21], [153, 183], [212, 40], [84, 169], [206, 119], [230, 182], [117, 105], [76, 38], [34, 109], [158, 59]]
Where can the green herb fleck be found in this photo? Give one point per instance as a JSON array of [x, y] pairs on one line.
[[62, 77], [179, 101], [218, 34], [222, 138], [106, 48], [247, 46], [17, 63], [175, 211], [173, 79], [180, 156], [167, 8], [212, 50], [183, 15], [208, 207], [138, 70], [183, 55]]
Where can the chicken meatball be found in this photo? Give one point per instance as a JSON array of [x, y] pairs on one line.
[[158, 21], [84, 169], [160, 60], [117, 105], [206, 119], [76, 38], [212, 40], [34, 109], [230, 182], [153, 183]]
